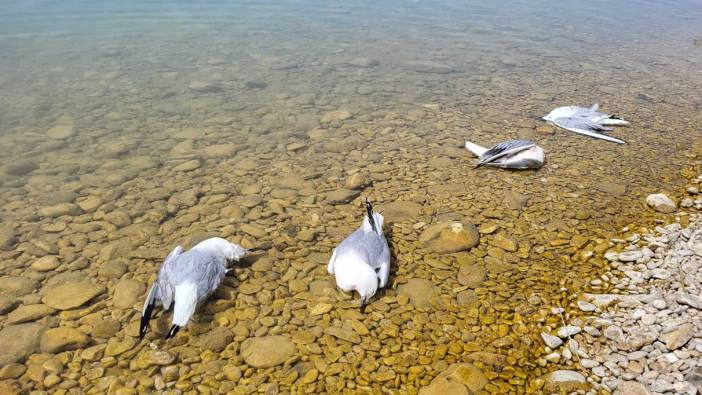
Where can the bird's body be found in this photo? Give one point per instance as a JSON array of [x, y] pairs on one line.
[[511, 154], [588, 121], [361, 262], [187, 279]]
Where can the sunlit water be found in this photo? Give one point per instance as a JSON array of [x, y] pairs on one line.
[[127, 128]]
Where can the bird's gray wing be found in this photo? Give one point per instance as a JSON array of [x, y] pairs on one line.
[[581, 123], [503, 149], [164, 284], [202, 268], [586, 127]]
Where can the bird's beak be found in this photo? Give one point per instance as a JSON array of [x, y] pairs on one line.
[[363, 306]]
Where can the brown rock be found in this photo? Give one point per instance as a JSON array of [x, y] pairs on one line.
[[342, 196], [471, 276], [63, 339], [399, 211], [631, 388], [420, 291], [30, 312], [348, 335], [268, 351], [17, 286], [127, 292], [677, 337], [450, 237], [19, 341], [611, 188], [216, 340], [72, 294], [459, 378]]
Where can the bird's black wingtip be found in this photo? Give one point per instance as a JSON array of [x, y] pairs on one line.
[[144, 323], [369, 212], [172, 332]]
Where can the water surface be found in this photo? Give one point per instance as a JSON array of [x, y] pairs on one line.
[[127, 128]]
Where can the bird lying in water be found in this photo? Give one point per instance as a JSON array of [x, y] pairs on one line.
[[511, 154], [361, 262], [587, 121], [188, 279]]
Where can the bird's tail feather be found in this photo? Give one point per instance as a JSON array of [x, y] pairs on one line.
[[595, 107], [185, 303], [148, 309], [372, 221], [475, 148]]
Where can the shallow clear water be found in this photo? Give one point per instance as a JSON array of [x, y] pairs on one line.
[[127, 128]]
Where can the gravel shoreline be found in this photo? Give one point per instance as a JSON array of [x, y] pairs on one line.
[[646, 336]]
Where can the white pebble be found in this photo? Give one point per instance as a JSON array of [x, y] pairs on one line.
[[567, 331], [551, 341], [589, 363]]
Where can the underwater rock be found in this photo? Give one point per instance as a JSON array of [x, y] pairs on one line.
[[460, 379], [17, 286], [338, 115], [661, 203], [127, 292], [72, 294], [450, 237], [427, 66], [420, 291], [19, 341], [267, 351]]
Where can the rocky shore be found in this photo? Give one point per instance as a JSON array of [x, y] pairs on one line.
[[645, 336]]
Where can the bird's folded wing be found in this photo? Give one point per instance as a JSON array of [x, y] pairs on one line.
[[505, 148], [586, 127]]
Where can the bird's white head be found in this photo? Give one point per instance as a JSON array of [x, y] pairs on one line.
[[221, 247]]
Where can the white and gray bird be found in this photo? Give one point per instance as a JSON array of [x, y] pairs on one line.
[[187, 279], [588, 121], [361, 262], [511, 154]]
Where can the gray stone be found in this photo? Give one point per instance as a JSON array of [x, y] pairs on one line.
[[568, 331], [551, 341], [661, 203], [614, 333], [690, 300]]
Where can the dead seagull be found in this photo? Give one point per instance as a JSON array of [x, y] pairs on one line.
[[188, 278], [361, 262], [587, 121], [511, 154]]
